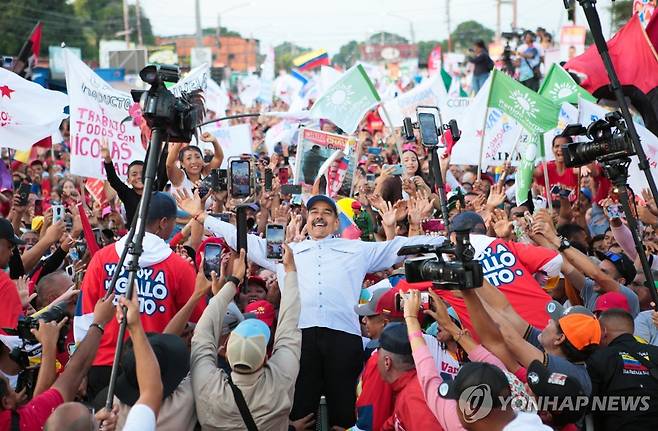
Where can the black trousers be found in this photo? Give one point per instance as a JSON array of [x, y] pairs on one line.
[[330, 365]]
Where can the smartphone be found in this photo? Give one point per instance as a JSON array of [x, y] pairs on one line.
[[555, 190], [212, 255], [283, 176], [291, 189], [374, 150], [433, 225], [58, 213], [240, 171], [38, 207], [274, 236], [296, 200], [615, 211], [425, 301], [24, 193], [397, 169], [268, 180], [370, 178], [222, 182], [70, 271]]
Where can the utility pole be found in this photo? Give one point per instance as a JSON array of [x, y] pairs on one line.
[[138, 15], [448, 25], [498, 30], [126, 25], [514, 15], [199, 35]]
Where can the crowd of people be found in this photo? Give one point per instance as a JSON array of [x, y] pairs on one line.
[[332, 335]]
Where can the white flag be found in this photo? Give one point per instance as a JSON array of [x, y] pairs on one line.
[[267, 78], [196, 79], [430, 92], [97, 113], [217, 99], [28, 112]]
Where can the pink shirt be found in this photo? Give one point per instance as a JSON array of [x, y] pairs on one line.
[[444, 410]]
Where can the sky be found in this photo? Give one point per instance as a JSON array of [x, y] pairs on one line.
[[331, 23]]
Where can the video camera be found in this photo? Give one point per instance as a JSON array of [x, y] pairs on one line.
[[430, 128], [610, 141], [179, 116], [464, 272]]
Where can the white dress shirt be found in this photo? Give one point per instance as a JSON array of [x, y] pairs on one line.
[[330, 271]]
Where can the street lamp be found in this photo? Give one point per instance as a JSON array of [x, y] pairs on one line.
[[411, 26]]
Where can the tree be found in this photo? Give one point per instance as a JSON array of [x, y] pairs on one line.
[[621, 12], [426, 46], [285, 53], [19, 17], [467, 32], [348, 54], [385, 38]]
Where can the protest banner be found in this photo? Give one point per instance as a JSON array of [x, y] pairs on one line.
[[234, 140], [314, 148], [217, 99], [196, 79], [28, 112], [267, 78], [430, 92], [97, 114]]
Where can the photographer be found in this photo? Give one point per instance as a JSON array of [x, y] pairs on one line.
[[482, 64], [529, 61], [33, 415], [265, 384]]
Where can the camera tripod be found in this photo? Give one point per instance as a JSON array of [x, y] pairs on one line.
[[619, 168]]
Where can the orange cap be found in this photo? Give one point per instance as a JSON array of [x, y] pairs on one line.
[[581, 330]]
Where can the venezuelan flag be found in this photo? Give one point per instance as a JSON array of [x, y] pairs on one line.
[[311, 60], [347, 228]]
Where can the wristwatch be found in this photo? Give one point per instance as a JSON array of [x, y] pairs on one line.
[[564, 244], [234, 280], [99, 326]]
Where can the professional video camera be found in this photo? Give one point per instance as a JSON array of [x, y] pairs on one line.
[[179, 116], [464, 272], [610, 141]]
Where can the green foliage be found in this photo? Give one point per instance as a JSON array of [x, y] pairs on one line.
[[285, 53], [426, 46], [348, 54], [467, 32], [621, 12]]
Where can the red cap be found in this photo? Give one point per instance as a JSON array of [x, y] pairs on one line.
[[356, 205], [611, 300], [263, 310], [211, 240], [254, 279]]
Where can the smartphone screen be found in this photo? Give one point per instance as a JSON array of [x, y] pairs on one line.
[[38, 207], [428, 131], [274, 235], [283, 176], [291, 189], [58, 213], [24, 193], [374, 150], [268, 180], [240, 178], [615, 211], [212, 254]]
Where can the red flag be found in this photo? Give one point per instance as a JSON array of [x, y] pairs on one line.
[[652, 31], [434, 60], [632, 54], [29, 54]]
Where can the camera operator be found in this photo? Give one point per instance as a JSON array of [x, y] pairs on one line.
[[330, 271], [482, 64], [32, 416], [529, 61]]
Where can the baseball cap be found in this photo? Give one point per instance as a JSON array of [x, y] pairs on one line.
[[174, 359], [555, 386], [254, 279], [622, 262], [321, 198], [7, 232], [394, 339], [478, 378], [611, 300], [466, 221], [510, 178], [578, 324], [247, 345], [162, 205], [356, 205], [262, 310], [370, 307]]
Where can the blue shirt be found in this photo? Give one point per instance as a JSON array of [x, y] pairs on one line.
[[527, 64]]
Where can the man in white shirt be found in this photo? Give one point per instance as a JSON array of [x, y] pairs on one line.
[[330, 274]]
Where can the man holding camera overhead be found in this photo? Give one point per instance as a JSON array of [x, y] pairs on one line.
[[330, 275]]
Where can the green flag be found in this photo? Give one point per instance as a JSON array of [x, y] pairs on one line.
[[526, 169], [560, 87], [535, 113], [348, 100], [447, 79]]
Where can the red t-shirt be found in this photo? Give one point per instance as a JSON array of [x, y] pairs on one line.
[[11, 303], [410, 412], [164, 288], [568, 179], [375, 402], [510, 266], [34, 414]]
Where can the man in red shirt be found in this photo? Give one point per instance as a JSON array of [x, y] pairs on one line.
[[11, 302], [396, 366], [510, 267], [165, 283]]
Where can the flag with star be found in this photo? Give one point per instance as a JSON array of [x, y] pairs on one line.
[[28, 112], [560, 87], [347, 101]]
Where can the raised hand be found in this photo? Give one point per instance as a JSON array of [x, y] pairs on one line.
[[501, 224], [189, 203], [496, 197], [24, 291], [388, 215]]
